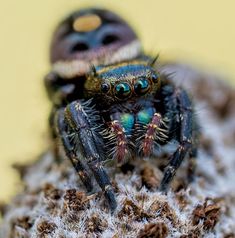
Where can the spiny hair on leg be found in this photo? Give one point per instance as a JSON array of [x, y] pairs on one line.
[[118, 145], [152, 133]]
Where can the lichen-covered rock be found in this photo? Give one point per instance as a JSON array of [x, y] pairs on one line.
[[54, 203]]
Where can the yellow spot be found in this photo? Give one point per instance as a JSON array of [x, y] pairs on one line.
[[87, 23], [121, 143], [153, 126], [81, 174]]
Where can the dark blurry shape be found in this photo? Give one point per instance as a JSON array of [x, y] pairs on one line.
[[88, 34]]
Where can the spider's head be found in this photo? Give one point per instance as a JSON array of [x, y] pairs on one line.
[[123, 81]]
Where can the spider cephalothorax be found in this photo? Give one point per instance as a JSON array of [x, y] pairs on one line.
[[110, 101], [122, 81]]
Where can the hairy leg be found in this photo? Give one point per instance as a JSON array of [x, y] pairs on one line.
[[117, 144], [185, 116], [70, 152], [80, 119], [153, 133]]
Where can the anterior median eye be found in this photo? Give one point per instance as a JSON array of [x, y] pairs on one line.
[[141, 86], [122, 90]]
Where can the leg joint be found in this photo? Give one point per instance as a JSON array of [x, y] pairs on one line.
[[186, 144]]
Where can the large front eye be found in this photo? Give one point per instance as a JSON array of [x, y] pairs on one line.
[[141, 86], [122, 90]]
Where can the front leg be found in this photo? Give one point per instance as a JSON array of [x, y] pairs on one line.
[[81, 120], [70, 151], [185, 117], [151, 135]]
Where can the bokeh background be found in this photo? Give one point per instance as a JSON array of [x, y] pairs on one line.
[[198, 32]]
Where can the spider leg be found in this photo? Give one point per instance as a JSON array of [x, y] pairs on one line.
[[79, 118], [117, 143], [70, 153], [155, 132], [185, 137], [193, 152], [103, 181], [192, 164]]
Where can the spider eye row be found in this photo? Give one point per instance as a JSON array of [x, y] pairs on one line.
[[123, 90]]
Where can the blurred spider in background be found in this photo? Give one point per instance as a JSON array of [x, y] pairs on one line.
[[110, 101]]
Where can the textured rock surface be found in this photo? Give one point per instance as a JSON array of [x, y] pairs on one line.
[[54, 204]]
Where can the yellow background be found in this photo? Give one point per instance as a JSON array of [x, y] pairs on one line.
[[200, 32]]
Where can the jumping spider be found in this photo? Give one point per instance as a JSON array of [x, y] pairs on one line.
[[110, 101]]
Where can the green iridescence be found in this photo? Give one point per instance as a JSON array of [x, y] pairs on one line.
[[127, 121], [145, 115]]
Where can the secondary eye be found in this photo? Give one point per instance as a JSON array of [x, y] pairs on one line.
[[155, 78], [105, 87], [122, 90], [141, 86]]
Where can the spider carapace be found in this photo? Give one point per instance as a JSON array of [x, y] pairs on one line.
[[110, 102]]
